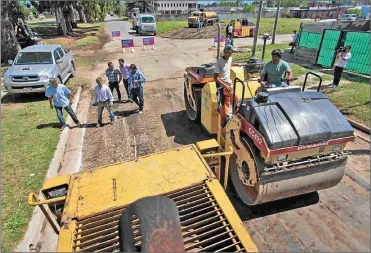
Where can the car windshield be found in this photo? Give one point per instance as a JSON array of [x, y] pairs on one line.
[[148, 20], [196, 14], [25, 58]]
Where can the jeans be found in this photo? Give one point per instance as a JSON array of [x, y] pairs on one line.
[[101, 106], [337, 75], [69, 110], [115, 85], [126, 85], [137, 95]]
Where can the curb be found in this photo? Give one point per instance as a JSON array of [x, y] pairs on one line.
[[37, 220], [359, 126]]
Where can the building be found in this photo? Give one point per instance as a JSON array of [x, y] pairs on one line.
[[318, 12], [176, 7]]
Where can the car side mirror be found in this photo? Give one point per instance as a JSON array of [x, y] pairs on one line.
[[59, 61], [10, 62]]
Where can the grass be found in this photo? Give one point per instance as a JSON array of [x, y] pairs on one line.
[[28, 145], [30, 134], [86, 35], [353, 100], [170, 26]]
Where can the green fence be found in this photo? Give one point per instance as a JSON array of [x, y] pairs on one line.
[[310, 39], [360, 60], [328, 46]]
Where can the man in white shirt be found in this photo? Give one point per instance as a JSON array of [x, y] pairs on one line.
[[293, 42], [223, 81], [343, 58], [104, 99], [230, 31]]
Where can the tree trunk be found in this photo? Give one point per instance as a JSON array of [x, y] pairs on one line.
[[61, 22], [9, 44], [71, 16], [82, 15]]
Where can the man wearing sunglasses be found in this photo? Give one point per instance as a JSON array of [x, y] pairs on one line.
[[59, 98], [274, 71]]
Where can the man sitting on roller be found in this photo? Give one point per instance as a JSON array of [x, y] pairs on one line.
[[223, 81], [274, 71]]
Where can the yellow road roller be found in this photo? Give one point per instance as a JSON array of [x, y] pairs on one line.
[[286, 141], [85, 207]]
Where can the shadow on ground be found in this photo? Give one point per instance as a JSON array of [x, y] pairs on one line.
[[23, 98], [184, 131]]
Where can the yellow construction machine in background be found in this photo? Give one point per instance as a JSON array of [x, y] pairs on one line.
[[86, 207]]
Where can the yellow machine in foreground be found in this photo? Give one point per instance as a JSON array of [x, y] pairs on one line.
[[88, 205]]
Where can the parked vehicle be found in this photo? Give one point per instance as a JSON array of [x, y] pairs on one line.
[[35, 65], [206, 18], [145, 23], [348, 17]]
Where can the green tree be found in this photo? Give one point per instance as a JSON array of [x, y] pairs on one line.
[[355, 11], [249, 8]]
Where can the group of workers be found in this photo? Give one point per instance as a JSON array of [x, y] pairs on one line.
[[272, 75], [133, 81]]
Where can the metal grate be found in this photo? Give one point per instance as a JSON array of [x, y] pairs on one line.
[[204, 226]]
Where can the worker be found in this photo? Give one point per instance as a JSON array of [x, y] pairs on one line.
[[342, 56], [136, 81], [230, 30], [125, 71], [114, 78], [274, 71], [224, 83], [198, 24], [104, 99], [59, 98], [293, 42]]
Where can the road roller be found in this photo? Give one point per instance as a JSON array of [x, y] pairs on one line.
[[286, 141]]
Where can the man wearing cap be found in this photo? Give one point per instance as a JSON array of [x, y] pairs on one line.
[[223, 81], [274, 71], [59, 98]]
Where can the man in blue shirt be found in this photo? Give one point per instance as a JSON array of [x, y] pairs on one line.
[[136, 82], [103, 97], [59, 95]]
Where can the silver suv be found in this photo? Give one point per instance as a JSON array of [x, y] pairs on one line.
[[34, 65]]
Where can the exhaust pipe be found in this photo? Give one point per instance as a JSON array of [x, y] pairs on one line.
[[219, 33]]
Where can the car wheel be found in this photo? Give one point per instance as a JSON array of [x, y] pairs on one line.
[[137, 30], [154, 34], [73, 70]]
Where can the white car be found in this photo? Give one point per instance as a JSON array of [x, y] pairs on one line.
[[349, 17]]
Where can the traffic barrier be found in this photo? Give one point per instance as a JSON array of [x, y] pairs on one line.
[[221, 39], [129, 43], [149, 41], [116, 34]]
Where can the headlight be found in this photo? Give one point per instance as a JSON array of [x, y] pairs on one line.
[[44, 77], [337, 147], [7, 78], [281, 158]]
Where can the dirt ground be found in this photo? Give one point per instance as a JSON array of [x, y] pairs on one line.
[[208, 32]]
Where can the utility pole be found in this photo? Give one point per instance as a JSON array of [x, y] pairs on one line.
[[257, 27], [276, 21]]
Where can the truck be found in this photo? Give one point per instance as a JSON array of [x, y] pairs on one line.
[[35, 65], [144, 24], [206, 18]]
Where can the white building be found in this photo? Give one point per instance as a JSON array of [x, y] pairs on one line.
[[176, 7]]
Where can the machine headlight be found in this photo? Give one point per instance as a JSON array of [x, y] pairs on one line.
[[337, 147], [44, 77], [281, 157]]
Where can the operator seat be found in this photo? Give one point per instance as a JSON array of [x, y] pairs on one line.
[[205, 70]]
